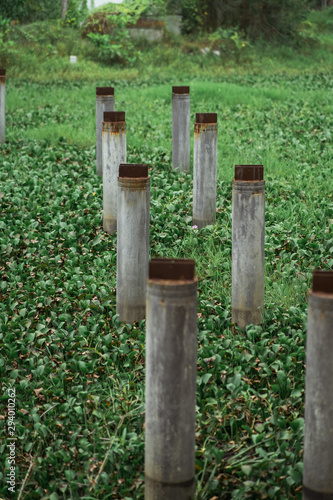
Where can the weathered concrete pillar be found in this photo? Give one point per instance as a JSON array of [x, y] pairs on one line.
[[318, 441], [171, 359], [114, 153], [204, 169], [181, 128], [2, 105], [104, 102], [248, 245], [132, 241]]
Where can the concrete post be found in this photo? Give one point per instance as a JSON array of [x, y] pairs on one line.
[[2, 105], [248, 245], [318, 441], [171, 358], [104, 102], [132, 241], [114, 153], [204, 169], [181, 128]]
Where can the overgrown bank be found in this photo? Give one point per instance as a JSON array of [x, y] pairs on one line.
[[40, 52]]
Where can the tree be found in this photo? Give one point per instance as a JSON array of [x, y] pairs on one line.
[[256, 18], [64, 6], [27, 11]]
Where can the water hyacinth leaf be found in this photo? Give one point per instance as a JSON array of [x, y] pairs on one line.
[[59, 267]]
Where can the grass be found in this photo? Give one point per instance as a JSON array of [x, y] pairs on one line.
[[79, 373]]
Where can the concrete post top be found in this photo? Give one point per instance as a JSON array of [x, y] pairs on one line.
[[249, 172], [114, 116], [322, 282], [181, 90], [133, 170], [103, 91], [206, 118]]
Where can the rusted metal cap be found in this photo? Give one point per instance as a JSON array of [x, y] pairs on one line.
[[172, 269], [133, 170], [2, 72], [181, 90], [114, 116], [249, 173], [104, 91], [322, 281], [206, 118]]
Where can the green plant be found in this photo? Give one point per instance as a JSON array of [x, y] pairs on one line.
[[228, 41], [116, 46], [192, 20], [76, 13], [7, 50], [323, 19], [306, 34]]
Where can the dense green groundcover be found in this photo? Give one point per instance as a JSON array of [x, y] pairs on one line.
[[79, 373]]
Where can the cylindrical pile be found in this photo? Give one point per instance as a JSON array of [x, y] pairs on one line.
[[104, 102], [171, 359], [181, 128], [114, 153], [248, 245], [132, 241], [204, 169], [318, 441], [2, 105]]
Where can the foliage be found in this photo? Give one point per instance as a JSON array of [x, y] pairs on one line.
[[323, 19], [7, 49], [256, 18], [192, 19], [133, 10], [306, 34], [99, 21], [27, 11], [77, 12], [39, 41], [14, 10], [116, 46], [30, 10], [228, 41]]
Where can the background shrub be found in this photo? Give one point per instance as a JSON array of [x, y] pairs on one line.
[[256, 18]]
